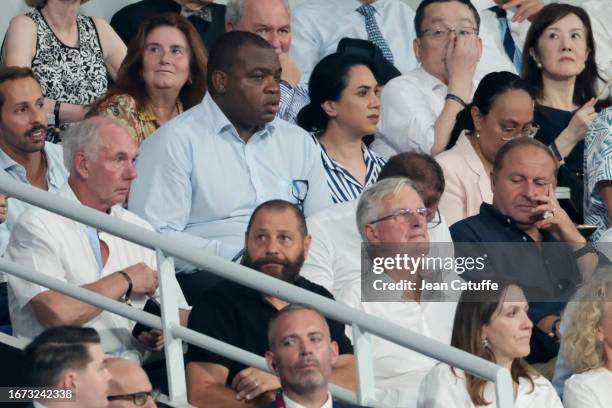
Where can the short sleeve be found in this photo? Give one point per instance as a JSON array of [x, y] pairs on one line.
[[217, 322]]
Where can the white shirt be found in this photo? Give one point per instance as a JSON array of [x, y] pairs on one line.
[[396, 367], [318, 25], [600, 13], [59, 247], [410, 105], [494, 57], [441, 388], [334, 257], [289, 403], [591, 389]]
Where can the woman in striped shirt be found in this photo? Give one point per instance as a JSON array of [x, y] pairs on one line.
[[344, 108]]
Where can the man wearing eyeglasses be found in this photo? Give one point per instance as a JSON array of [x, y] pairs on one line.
[[392, 218], [418, 109], [130, 387]]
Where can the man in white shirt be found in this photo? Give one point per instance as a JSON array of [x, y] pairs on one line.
[[418, 109], [600, 14], [271, 20], [334, 259], [318, 26], [497, 18], [69, 360], [303, 355], [391, 212], [100, 155]]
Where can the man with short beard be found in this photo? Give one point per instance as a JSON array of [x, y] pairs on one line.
[[24, 154], [302, 354], [276, 243]]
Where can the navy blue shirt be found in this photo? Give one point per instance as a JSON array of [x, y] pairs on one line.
[[547, 271]]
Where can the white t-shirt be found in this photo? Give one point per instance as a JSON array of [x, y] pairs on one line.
[[59, 247], [591, 389], [441, 388]]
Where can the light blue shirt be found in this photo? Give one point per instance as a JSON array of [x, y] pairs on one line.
[[199, 182], [56, 177]]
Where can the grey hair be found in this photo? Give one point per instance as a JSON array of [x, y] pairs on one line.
[[368, 208], [84, 137], [292, 307], [233, 10]]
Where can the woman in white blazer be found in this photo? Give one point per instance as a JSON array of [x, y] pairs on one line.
[[502, 109], [492, 325], [587, 345]]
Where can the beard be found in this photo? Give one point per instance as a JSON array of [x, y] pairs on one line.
[[290, 269]]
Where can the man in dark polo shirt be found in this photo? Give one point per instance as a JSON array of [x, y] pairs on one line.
[[277, 243], [553, 257], [208, 18]]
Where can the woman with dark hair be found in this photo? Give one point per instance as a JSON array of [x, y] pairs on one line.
[[71, 55], [344, 108], [559, 61], [502, 109], [492, 325], [164, 73]]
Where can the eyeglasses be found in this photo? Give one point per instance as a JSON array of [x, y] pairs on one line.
[[442, 33], [509, 133], [434, 220], [299, 191], [138, 398], [404, 215]]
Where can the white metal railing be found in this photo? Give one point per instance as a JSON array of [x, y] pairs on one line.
[[174, 334]]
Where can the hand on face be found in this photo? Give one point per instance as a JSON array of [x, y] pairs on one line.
[[554, 219], [462, 55], [251, 383], [291, 72]]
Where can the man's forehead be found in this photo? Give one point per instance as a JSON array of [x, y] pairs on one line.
[[20, 90], [283, 219], [406, 197], [299, 322], [529, 161]]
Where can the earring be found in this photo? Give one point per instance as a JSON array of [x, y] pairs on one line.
[[485, 343], [539, 65], [477, 135]]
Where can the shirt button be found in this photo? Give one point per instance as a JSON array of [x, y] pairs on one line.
[[508, 220]]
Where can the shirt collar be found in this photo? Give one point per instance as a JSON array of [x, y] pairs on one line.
[[221, 123], [482, 5], [504, 220], [329, 162], [469, 154], [203, 13], [427, 79], [6, 163], [289, 403]]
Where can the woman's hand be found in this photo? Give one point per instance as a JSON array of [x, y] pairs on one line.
[[582, 119]]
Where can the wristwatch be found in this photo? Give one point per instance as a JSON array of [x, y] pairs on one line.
[[126, 296]]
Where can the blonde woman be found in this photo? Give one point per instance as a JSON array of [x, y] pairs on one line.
[[587, 345]]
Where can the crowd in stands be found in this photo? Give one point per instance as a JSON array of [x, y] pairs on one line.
[[308, 144]]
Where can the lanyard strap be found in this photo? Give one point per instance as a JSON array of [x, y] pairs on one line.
[[94, 242], [280, 402]]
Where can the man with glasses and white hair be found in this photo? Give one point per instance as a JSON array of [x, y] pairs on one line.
[[334, 260], [392, 219]]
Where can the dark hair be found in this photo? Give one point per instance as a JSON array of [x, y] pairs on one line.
[[55, 350], [292, 307], [584, 88], [420, 13], [421, 168], [475, 309], [129, 78], [225, 53], [328, 80], [491, 86], [506, 148], [11, 74], [280, 205]]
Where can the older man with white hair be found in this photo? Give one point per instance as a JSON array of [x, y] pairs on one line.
[[99, 154]]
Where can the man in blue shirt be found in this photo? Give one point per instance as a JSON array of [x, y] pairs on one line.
[[203, 173], [554, 256], [24, 154]]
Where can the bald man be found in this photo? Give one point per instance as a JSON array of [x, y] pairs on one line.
[[129, 386]]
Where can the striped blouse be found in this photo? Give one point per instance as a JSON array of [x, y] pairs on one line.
[[343, 186]]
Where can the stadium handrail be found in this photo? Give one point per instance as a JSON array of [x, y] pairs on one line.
[[169, 248]]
